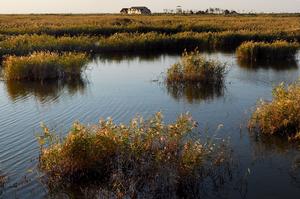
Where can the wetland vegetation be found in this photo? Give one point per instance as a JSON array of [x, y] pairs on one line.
[[277, 50], [145, 158], [44, 66], [138, 158], [196, 68], [281, 115]]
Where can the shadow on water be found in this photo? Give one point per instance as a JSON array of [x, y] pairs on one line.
[[266, 146], [275, 65], [44, 91], [195, 92]]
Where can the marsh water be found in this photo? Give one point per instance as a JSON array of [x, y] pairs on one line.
[[122, 87]]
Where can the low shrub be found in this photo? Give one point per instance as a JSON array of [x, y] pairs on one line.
[[277, 50], [281, 116], [44, 65], [143, 156], [194, 67]]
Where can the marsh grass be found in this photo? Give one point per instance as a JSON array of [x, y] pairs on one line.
[[281, 116], [143, 158], [59, 25], [132, 42], [277, 50], [44, 66], [27, 44], [196, 68]]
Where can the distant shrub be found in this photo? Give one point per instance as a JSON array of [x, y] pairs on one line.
[[194, 67], [281, 116], [136, 158], [44, 65], [256, 51]]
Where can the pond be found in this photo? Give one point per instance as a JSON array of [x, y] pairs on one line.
[[122, 87]]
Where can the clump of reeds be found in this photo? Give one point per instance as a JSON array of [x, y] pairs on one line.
[[257, 51], [281, 116], [194, 67], [44, 65], [144, 155]]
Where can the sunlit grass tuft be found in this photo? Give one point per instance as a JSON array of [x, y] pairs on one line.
[[194, 67], [141, 156], [281, 116], [44, 65]]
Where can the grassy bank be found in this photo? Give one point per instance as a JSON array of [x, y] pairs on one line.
[[257, 51], [135, 159], [133, 42], [43, 66], [281, 115], [195, 68]]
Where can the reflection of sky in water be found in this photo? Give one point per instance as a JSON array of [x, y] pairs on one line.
[[123, 87]]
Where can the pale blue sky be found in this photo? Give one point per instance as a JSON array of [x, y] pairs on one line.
[[97, 6]]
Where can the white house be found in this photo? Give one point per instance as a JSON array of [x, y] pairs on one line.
[[136, 11]]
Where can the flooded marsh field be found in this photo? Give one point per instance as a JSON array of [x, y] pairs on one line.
[[121, 88], [111, 106]]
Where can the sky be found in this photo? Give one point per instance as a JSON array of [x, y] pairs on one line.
[[113, 6]]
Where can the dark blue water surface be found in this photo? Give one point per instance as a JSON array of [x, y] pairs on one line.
[[121, 87]]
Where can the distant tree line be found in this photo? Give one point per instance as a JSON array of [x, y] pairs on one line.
[[207, 11]]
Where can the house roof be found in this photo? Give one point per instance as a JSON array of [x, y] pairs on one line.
[[139, 7]]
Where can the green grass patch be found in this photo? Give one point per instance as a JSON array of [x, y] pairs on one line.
[[132, 159], [277, 50], [194, 67], [44, 66], [281, 116]]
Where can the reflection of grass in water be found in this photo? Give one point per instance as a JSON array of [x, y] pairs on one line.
[[195, 91], [2, 183], [269, 64], [144, 159], [44, 91]]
